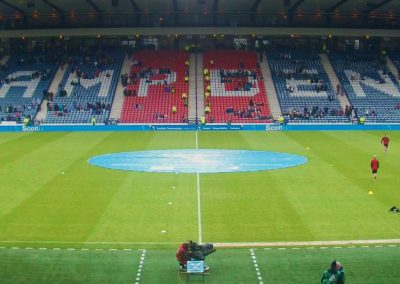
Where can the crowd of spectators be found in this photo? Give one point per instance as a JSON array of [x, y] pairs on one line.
[[11, 112], [317, 112], [312, 112], [96, 108], [253, 111]]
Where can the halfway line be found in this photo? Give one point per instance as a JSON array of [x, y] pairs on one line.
[[199, 208], [197, 140], [198, 197]]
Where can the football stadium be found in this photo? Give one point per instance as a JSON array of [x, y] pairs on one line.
[[199, 141]]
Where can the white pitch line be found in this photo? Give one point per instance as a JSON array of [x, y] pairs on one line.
[[89, 243], [199, 208], [257, 270], [388, 242], [198, 197], [392, 242], [140, 267], [253, 256], [197, 141]]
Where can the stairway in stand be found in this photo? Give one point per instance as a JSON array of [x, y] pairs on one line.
[[392, 67], [192, 111], [270, 89], [343, 100], [41, 115], [118, 102], [200, 86]]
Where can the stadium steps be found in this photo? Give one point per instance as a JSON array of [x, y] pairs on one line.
[[41, 115], [343, 100], [118, 101], [4, 59], [392, 67], [270, 89], [192, 87], [200, 86], [57, 80]]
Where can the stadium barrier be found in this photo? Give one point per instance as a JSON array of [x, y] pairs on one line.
[[185, 127]]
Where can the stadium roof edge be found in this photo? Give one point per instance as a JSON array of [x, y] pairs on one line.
[[266, 31]]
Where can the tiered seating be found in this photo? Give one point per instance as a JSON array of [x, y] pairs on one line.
[[22, 85], [81, 99], [237, 90], [372, 90], [304, 90], [150, 96]]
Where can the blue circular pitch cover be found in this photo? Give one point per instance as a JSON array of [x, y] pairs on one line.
[[197, 161]]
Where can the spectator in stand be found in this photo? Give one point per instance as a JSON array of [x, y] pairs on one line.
[[184, 119]]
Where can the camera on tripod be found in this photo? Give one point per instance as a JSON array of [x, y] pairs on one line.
[[199, 252]]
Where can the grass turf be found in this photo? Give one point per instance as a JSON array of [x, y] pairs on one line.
[[303, 265], [50, 196]]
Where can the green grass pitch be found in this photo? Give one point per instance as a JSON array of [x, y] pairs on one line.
[[50, 197]]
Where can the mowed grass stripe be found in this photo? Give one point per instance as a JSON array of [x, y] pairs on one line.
[[75, 200], [344, 192], [253, 202], [362, 265], [314, 191], [68, 266], [141, 211], [26, 163], [6, 137], [22, 145]]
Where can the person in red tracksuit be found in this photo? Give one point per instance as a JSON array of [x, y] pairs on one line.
[[374, 166], [182, 255]]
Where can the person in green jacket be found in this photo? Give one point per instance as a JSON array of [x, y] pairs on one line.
[[335, 274]]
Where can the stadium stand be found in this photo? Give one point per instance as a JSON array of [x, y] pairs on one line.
[[23, 79], [372, 89], [234, 89], [87, 89], [304, 90], [155, 86]]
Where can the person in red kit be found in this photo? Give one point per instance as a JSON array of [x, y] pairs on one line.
[[374, 166], [182, 255], [385, 142]]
